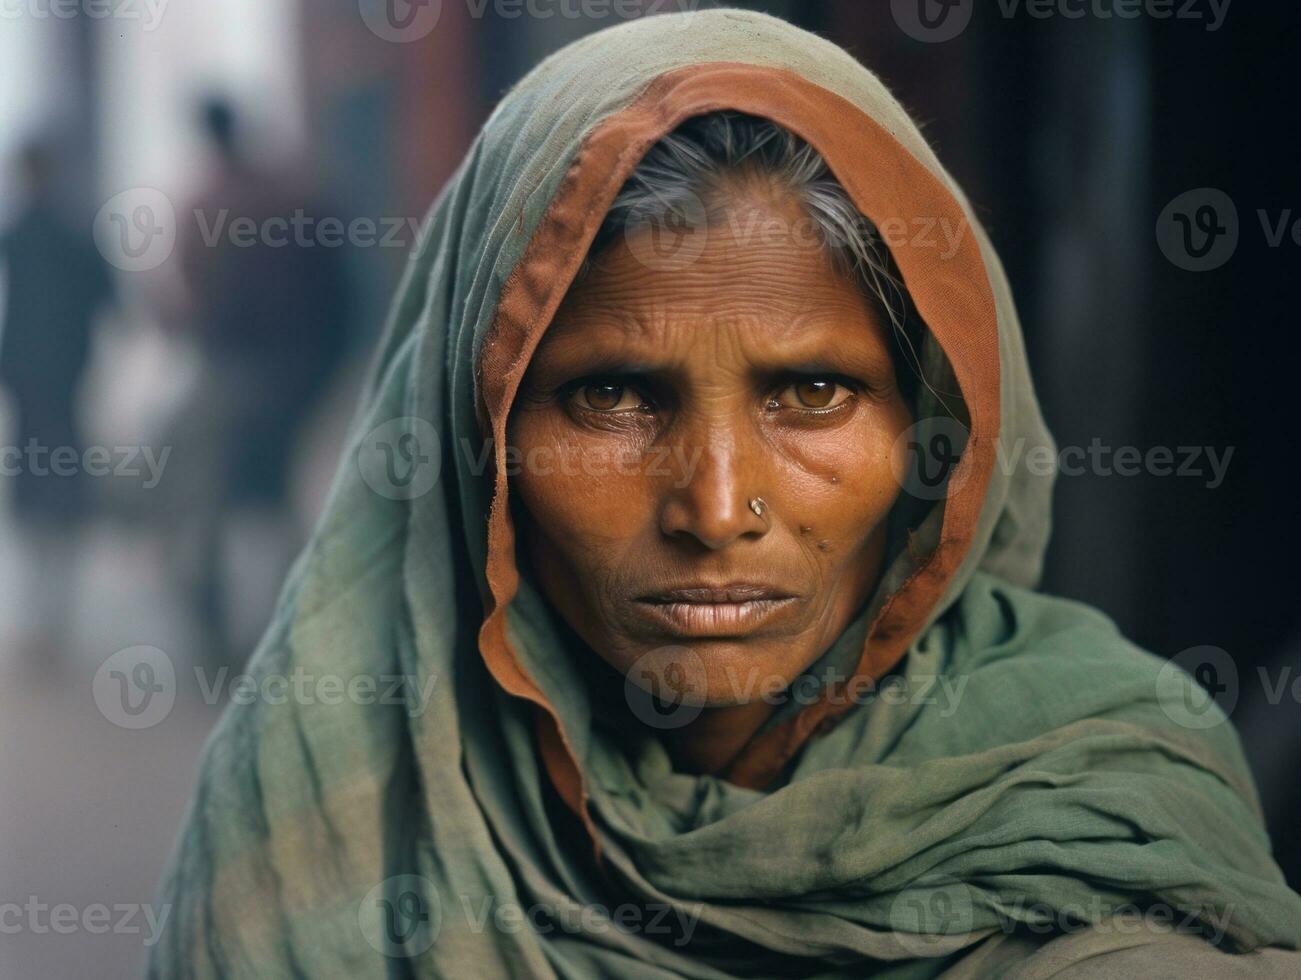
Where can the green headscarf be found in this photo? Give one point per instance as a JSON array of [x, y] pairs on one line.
[[1023, 772]]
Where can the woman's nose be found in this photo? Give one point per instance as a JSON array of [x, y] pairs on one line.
[[710, 502]]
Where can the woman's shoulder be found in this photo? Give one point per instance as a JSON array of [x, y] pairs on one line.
[[994, 620], [1062, 663], [1120, 949]]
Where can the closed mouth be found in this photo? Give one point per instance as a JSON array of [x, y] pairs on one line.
[[715, 611]]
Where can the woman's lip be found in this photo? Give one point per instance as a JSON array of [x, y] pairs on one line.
[[741, 592], [715, 619]]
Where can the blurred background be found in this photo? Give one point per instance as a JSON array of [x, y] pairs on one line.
[[172, 403]]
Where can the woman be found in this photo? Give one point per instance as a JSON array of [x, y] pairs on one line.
[[678, 512]]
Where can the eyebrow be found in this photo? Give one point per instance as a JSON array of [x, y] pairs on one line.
[[573, 359]]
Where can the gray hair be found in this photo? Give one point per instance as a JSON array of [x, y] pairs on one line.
[[700, 161]]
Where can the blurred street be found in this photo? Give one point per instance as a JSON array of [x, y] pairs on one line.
[[89, 810]]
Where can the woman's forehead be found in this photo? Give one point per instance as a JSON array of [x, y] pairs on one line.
[[811, 340], [763, 287]]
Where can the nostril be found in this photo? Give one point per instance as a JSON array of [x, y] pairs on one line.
[[712, 522]]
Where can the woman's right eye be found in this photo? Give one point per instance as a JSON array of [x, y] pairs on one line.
[[607, 396]]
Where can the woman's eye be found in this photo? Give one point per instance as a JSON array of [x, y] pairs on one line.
[[607, 397], [813, 394]]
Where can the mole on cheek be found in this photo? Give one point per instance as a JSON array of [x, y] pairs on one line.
[[805, 529], [824, 545]]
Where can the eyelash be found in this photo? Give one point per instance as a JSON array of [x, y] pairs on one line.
[[570, 391]]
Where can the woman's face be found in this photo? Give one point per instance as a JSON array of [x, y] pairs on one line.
[[660, 403]]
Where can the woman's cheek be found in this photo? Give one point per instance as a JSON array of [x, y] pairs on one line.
[[589, 485], [840, 483]]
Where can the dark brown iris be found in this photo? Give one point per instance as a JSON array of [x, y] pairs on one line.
[[604, 397], [816, 394]]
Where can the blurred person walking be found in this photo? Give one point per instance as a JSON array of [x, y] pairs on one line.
[[267, 310], [55, 282]]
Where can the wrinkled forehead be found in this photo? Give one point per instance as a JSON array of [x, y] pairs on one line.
[[919, 220], [744, 300]]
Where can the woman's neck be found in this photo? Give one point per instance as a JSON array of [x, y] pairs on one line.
[[709, 742]]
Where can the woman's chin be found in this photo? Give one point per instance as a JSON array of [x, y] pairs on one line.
[[719, 672]]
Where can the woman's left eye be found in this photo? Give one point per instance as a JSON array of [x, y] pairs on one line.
[[607, 396], [813, 393]]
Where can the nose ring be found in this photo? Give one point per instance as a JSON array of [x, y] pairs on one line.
[[758, 505]]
